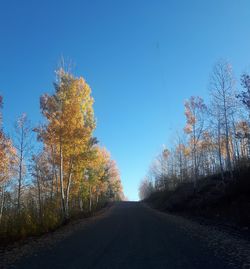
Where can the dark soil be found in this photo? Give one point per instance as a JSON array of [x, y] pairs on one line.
[[225, 203]]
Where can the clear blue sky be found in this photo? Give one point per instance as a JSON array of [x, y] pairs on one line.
[[142, 59]]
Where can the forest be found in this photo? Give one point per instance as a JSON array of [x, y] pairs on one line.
[[61, 174], [208, 164]]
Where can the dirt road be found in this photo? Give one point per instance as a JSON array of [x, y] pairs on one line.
[[131, 235]]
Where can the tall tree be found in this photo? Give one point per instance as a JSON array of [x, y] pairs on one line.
[[70, 123], [245, 95], [245, 98], [194, 111], [8, 162], [222, 89], [23, 146]]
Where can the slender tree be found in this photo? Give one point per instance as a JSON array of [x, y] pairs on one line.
[[7, 164], [194, 111], [23, 146], [222, 90]]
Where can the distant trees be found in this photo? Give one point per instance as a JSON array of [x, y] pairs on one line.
[[71, 174], [216, 138], [145, 189]]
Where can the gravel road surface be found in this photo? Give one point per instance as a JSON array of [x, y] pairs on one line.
[[132, 235]]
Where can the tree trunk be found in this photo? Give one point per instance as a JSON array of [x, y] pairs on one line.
[[39, 198], [194, 157], [219, 152], [61, 182], [229, 164], [90, 198], [2, 204], [55, 176], [67, 191], [20, 172]]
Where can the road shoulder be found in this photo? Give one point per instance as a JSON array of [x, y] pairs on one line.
[[14, 252]]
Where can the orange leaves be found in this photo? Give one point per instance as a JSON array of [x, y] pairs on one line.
[[7, 156], [82, 166], [194, 108], [242, 129], [188, 129], [194, 112], [69, 114]]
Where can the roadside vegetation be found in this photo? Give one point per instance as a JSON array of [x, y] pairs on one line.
[[64, 174], [207, 171]]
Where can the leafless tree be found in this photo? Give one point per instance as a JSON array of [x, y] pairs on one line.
[[23, 142], [222, 90]]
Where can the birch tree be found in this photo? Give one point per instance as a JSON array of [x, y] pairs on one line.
[[69, 127]]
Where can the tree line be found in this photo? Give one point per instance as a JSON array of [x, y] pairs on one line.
[[70, 174], [215, 139]]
